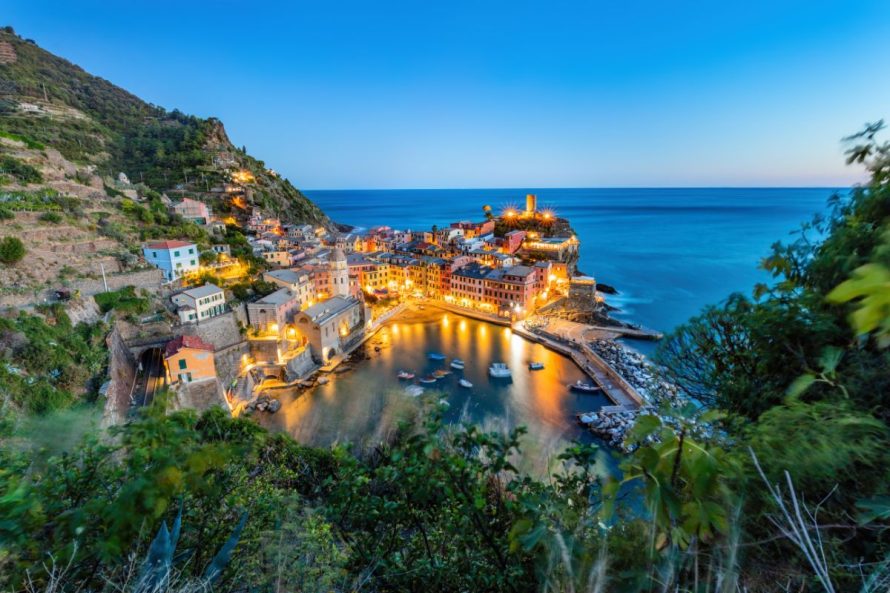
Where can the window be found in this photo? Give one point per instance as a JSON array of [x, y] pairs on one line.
[[175, 254], [182, 363], [154, 253], [191, 251], [193, 262]]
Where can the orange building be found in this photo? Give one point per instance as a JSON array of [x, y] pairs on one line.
[[188, 359]]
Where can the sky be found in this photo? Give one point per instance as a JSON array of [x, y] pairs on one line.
[[484, 93]]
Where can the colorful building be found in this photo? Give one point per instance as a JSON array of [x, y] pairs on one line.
[[201, 303], [174, 258], [189, 359]]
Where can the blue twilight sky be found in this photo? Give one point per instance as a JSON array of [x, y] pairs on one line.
[[423, 93]]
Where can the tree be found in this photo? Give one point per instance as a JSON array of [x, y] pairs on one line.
[[12, 250]]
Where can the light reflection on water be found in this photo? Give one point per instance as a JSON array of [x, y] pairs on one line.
[[364, 404]]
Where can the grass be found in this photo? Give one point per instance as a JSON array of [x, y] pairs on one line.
[[124, 300]]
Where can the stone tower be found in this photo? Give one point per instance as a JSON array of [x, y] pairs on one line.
[[339, 271]]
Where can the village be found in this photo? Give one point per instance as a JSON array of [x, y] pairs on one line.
[[328, 291]]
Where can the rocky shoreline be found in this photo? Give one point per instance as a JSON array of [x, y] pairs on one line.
[[612, 423]]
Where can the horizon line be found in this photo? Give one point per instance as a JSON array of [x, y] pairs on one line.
[[524, 188]]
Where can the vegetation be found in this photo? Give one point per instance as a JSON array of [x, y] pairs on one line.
[[46, 363], [124, 300], [24, 172], [12, 250]]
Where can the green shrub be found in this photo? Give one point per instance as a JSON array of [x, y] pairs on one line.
[[6, 214], [22, 171], [124, 300], [12, 250], [51, 217]]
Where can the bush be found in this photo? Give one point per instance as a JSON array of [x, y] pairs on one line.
[[22, 171], [12, 250], [51, 217], [124, 300], [6, 214]]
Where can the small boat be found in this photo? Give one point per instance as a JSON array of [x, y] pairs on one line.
[[499, 370], [465, 383], [405, 375], [585, 418], [435, 356], [536, 366], [457, 364], [440, 374], [323, 380], [428, 379], [583, 387]]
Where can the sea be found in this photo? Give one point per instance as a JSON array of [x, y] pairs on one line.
[[669, 252]]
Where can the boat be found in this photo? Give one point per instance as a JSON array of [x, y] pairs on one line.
[[499, 370], [536, 366], [583, 387], [457, 364], [586, 418], [323, 380], [465, 383], [440, 374], [428, 379], [435, 356], [405, 375]]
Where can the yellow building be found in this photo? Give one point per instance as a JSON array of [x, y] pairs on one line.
[[189, 359]]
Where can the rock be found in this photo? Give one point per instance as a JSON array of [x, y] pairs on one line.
[[273, 406]]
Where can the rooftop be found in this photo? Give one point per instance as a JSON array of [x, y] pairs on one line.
[[321, 312], [282, 295], [180, 342], [289, 276], [169, 244], [202, 291]]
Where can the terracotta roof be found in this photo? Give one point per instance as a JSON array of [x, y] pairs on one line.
[[180, 342], [168, 244]]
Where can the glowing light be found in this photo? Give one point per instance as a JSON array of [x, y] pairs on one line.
[[462, 326], [273, 327]]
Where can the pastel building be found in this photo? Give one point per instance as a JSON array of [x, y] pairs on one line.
[[299, 281], [331, 326], [270, 314], [189, 359], [197, 304], [192, 210], [174, 258]]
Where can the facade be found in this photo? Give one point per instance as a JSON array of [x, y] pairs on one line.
[[511, 292], [189, 359], [197, 304], [277, 257], [270, 314], [299, 281], [331, 326], [174, 258], [339, 273], [583, 287], [192, 210], [552, 248]]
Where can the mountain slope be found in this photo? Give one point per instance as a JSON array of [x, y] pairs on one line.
[[90, 121]]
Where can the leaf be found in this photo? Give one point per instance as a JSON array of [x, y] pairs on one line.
[[830, 358], [800, 385], [644, 426], [873, 509]]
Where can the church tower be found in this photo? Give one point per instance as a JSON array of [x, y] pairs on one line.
[[339, 271]]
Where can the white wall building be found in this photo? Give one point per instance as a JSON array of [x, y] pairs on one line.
[[197, 304]]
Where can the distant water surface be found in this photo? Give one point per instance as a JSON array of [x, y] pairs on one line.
[[669, 251]]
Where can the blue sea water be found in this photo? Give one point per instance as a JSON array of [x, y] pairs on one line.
[[669, 252]]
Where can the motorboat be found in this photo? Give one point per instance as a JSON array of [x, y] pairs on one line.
[[439, 374], [457, 364], [583, 387], [499, 370], [536, 366], [465, 383], [435, 356], [427, 380], [405, 375]]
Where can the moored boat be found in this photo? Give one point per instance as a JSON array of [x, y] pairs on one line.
[[435, 356], [428, 379], [583, 387], [323, 380], [457, 364], [405, 375], [536, 366], [499, 370], [465, 383], [439, 374]]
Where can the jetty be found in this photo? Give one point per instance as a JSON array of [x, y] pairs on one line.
[[614, 386]]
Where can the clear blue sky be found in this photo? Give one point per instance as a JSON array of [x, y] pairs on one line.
[[341, 94]]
